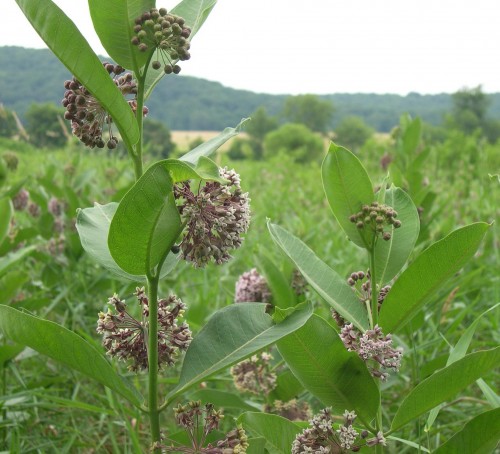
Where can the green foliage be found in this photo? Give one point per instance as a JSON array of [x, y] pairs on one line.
[[45, 125], [309, 110], [157, 139], [295, 140], [260, 125], [352, 132], [8, 126]]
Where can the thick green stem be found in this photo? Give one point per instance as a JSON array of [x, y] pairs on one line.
[[154, 414]]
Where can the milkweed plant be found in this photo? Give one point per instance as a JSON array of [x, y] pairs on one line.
[[190, 209]]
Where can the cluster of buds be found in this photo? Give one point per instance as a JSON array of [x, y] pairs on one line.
[[255, 374], [292, 410], [252, 287], [199, 421], [88, 117], [373, 346], [322, 437], [21, 201], [299, 284], [11, 160], [376, 217], [167, 34], [216, 216], [124, 337]]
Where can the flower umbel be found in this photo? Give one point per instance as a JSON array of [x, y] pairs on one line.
[[124, 337], [199, 421], [372, 346], [293, 410], [88, 118], [252, 287], [216, 216], [376, 217], [254, 374]]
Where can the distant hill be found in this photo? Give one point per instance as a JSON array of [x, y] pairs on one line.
[[188, 103]]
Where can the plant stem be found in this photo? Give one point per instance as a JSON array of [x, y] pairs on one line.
[[154, 414]]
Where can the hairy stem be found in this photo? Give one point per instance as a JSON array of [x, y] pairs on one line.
[[154, 414]]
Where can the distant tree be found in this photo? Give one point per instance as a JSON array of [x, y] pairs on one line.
[[8, 127], [470, 107], [242, 149], [259, 125], [309, 110], [295, 140], [352, 132], [157, 138], [44, 125]]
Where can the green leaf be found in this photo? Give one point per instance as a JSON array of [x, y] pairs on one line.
[[279, 432], [210, 146], [391, 256], [318, 358], [330, 286], [256, 445], [411, 136], [347, 187], [222, 399], [64, 39], [12, 259], [231, 335], [6, 212], [287, 387], [444, 384], [194, 12], [479, 436], [113, 22], [427, 274], [8, 352], [64, 346], [281, 289], [146, 223], [93, 227]]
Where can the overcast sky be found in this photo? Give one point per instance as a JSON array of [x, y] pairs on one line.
[[326, 46]]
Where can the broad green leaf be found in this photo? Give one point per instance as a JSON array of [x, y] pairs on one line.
[[12, 259], [479, 436], [194, 12], [11, 283], [113, 22], [318, 358], [427, 273], [287, 387], [330, 286], [60, 344], [146, 223], [8, 352], [279, 432], [210, 146], [93, 227], [256, 445], [5, 216], [445, 384], [231, 335], [222, 399], [281, 289], [347, 187], [411, 137], [391, 256], [64, 39]]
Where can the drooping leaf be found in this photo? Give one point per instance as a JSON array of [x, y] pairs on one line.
[[64, 39], [231, 335], [93, 227], [278, 432], [347, 187], [60, 344], [194, 12], [444, 384], [427, 273], [281, 290], [479, 436], [318, 358], [113, 22], [12, 259], [146, 223], [391, 255], [5, 216], [330, 286]]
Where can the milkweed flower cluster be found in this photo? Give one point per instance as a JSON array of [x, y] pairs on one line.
[[252, 287], [125, 338], [167, 34], [199, 421], [88, 117], [293, 410], [321, 436], [376, 217], [373, 345], [20, 200], [216, 216], [255, 375]]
